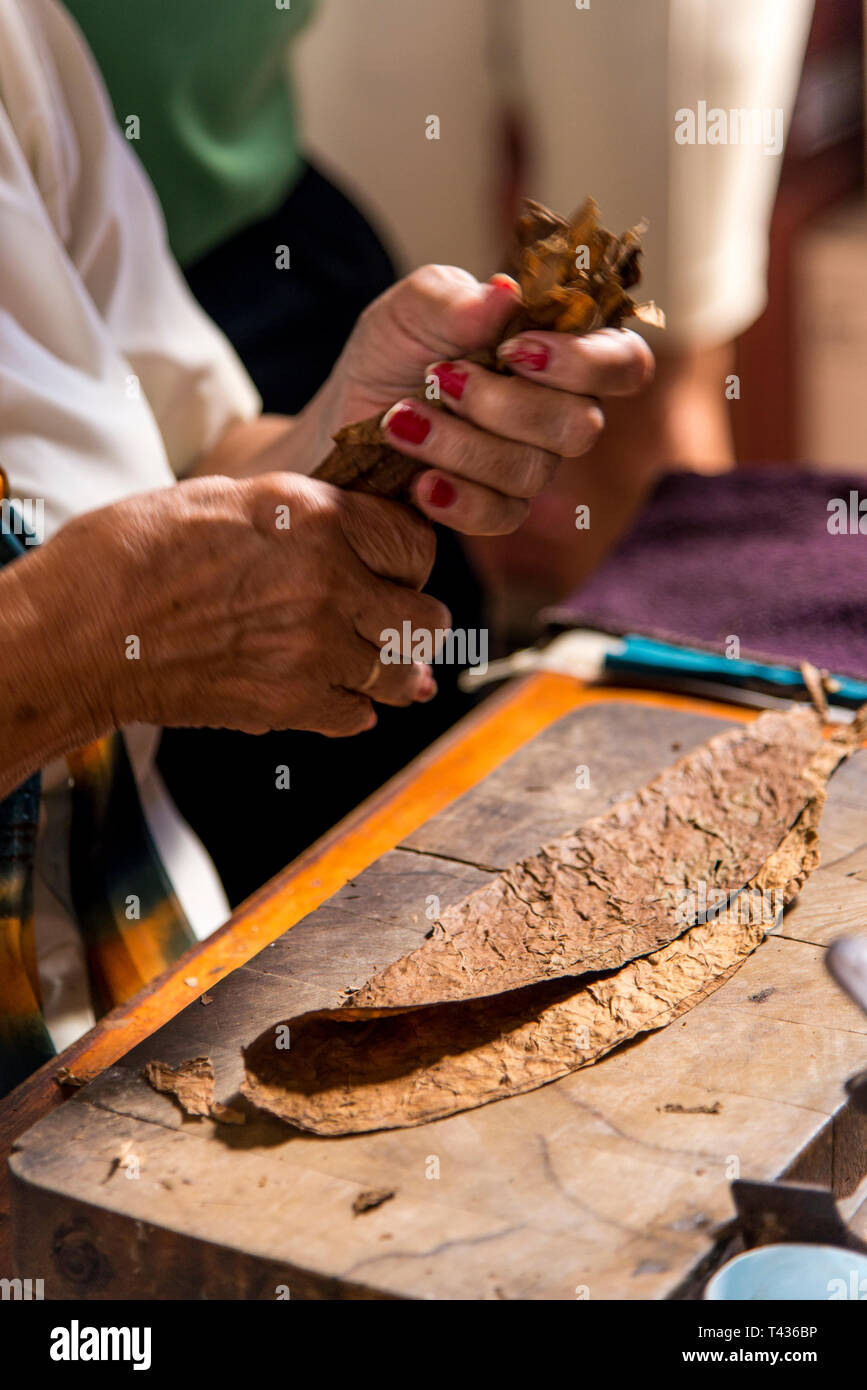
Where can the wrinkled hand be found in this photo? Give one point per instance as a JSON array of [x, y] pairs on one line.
[[500, 437], [241, 622]]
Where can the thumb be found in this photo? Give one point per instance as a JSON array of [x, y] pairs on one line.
[[433, 315], [461, 314]]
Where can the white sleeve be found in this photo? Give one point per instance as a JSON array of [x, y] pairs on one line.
[[112, 380], [605, 85], [597, 87]]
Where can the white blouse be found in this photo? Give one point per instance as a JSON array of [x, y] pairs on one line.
[[112, 379]]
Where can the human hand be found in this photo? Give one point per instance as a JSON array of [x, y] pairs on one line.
[[500, 437], [251, 605]]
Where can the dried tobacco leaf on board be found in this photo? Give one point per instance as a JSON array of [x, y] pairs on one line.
[[355, 1069], [611, 891], [420, 1065], [574, 277]]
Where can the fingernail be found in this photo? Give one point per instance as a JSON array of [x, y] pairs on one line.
[[442, 494], [526, 352], [504, 282], [405, 423], [451, 378], [427, 687]]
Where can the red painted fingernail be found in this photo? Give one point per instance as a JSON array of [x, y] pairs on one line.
[[406, 424], [442, 494], [505, 282], [527, 352], [451, 379], [426, 690]]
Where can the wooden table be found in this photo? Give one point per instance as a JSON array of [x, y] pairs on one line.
[[612, 1183]]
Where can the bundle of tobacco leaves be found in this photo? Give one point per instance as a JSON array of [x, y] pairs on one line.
[[574, 950], [574, 277]]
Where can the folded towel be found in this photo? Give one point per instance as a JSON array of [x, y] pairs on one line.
[[771, 556]]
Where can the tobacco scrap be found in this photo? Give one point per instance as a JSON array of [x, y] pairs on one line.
[[673, 1108], [402, 1063], [191, 1083], [817, 684], [64, 1077], [123, 1153], [574, 277], [369, 1201], [762, 995]]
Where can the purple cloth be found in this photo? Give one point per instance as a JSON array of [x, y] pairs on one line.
[[748, 554]]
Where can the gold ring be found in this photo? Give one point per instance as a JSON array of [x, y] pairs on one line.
[[371, 679]]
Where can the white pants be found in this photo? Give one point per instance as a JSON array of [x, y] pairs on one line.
[[599, 89]]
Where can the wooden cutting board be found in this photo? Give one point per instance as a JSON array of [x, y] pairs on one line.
[[612, 1183]]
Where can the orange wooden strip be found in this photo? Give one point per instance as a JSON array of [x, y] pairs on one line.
[[449, 768]]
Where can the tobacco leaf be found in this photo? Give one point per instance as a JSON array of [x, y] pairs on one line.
[[557, 292], [354, 1069], [411, 1066], [612, 890]]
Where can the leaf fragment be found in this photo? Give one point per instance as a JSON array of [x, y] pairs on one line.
[[191, 1083]]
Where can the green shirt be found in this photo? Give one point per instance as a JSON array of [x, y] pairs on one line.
[[208, 81]]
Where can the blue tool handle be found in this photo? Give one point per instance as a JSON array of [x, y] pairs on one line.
[[645, 653]]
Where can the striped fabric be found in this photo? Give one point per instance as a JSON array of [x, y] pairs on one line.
[[24, 1040]]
